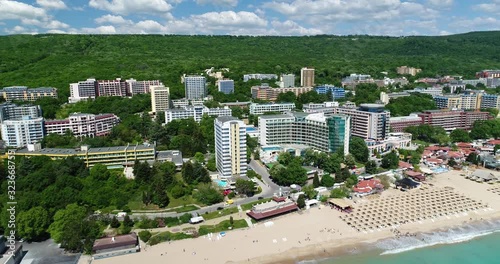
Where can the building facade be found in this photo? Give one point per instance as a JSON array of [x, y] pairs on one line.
[[367, 121], [196, 112], [10, 111], [92, 88], [316, 130], [109, 156], [230, 147], [259, 109], [20, 132], [287, 80], [196, 87], [488, 74], [23, 93], [83, 125], [160, 98], [398, 124], [336, 92], [259, 76], [307, 77], [264, 92], [452, 119], [225, 86], [408, 70]]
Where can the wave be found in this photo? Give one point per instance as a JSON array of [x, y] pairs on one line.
[[452, 236]]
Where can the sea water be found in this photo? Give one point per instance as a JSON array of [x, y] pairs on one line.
[[474, 244]]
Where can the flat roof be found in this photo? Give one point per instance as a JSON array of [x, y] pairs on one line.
[[282, 210], [115, 242], [342, 203]]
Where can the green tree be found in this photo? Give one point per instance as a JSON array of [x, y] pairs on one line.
[[245, 187], [309, 191], [211, 164], [452, 162], [301, 201], [285, 158], [32, 224], [371, 167], [473, 158], [332, 163], [114, 222], [416, 102], [316, 182], [292, 174], [142, 172], [288, 97], [231, 220], [145, 235], [339, 193], [342, 175], [127, 221], [327, 180], [188, 172], [459, 135], [207, 194], [199, 157], [390, 161], [349, 161], [358, 149]]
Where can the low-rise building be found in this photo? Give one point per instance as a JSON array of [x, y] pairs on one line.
[[109, 156], [115, 246], [83, 125], [196, 112], [399, 123], [174, 156], [259, 109], [453, 119], [259, 76], [336, 92], [22, 93], [277, 206], [265, 92]]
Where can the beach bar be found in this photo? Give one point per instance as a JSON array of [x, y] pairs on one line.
[[342, 205], [275, 207]]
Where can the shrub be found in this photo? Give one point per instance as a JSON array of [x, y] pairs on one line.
[[145, 235], [114, 222], [185, 218], [231, 195]]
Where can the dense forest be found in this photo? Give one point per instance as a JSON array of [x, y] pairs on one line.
[[57, 60]]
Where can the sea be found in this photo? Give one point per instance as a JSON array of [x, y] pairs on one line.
[[477, 243]]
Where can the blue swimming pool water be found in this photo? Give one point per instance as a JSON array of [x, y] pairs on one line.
[[439, 170], [251, 129], [221, 183], [271, 148]]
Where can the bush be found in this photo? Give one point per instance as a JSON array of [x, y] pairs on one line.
[[171, 221], [126, 209], [114, 222], [145, 235], [167, 236], [146, 223], [125, 230], [177, 191], [231, 195], [185, 218]]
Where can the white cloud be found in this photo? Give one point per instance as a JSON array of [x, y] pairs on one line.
[[476, 24], [51, 4], [43, 23], [491, 7], [18, 10], [440, 3], [291, 28], [125, 7], [100, 30], [228, 20], [111, 19], [218, 2]]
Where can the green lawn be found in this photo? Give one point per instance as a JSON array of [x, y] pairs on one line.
[[220, 213], [167, 236], [249, 206], [222, 226], [186, 208], [186, 202]]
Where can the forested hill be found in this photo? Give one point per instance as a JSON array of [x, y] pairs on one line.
[[57, 60]]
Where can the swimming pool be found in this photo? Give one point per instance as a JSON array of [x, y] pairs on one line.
[[221, 183], [439, 170], [271, 148], [251, 129]]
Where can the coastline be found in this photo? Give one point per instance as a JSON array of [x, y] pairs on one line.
[[317, 233]]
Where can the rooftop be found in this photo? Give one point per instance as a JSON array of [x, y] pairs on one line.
[[115, 242]]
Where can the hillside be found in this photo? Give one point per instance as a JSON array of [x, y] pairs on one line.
[[57, 60]]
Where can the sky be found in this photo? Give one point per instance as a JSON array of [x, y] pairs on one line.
[[249, 17]]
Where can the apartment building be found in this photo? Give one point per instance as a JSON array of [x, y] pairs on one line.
[[196, 112], [325, 107], [448, 101], [488, 74], [452, 119], [259, 109], [408, 70], [230, 147], [20, 132], [264, 92], [109, 156], [490, 101], [195, 87], [23, 93], [307, 77], [316, 130], [83, 125], [368, 120], [160, 98], [259, 76], [398, 124], [469, 100], [287, 80], [336, 92], [92, 88], [9, 111], [225, 86]]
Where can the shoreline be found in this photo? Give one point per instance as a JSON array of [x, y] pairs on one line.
[[321, 233], [314, 253]]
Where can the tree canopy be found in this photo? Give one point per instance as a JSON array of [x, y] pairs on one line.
[[414, 103]]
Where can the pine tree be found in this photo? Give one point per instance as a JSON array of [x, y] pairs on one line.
[[316, 182]]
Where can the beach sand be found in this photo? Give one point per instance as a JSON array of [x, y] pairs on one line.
[[312, 234]]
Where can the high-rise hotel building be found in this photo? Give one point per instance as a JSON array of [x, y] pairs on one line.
[[230, 146], [307, 77], [160, 98], [320, 132], [196, 87]]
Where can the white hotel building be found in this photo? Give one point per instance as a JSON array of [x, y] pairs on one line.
[[259, 109], [230, 147], [83, 125], [20, 132], [196, 112]]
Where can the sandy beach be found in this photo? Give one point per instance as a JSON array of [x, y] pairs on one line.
[[317, 232]]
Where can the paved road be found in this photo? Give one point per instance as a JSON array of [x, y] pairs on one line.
[[269, 188]]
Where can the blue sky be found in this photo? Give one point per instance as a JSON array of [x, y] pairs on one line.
[[247, 17]]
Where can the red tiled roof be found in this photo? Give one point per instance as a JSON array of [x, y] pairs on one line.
[[279, 199], [432, 148], [413, 173], [119, 241], [367, 186], [404, 165], [434, 160], [285, 209], [464, 145], [455, 154], [494, 142], [427, 153]]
